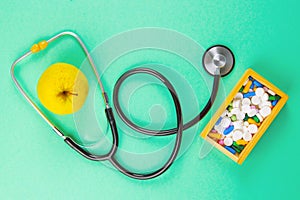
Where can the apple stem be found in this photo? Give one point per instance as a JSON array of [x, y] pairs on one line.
[[73, 93]]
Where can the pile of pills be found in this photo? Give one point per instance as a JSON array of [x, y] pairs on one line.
[[244, 115]]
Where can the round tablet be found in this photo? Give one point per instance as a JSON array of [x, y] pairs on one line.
[[252, 112], [225, 122], [246, 101], [260, 92], [228, 141], [239, 96], [265, 97], [252, 128], [247, 136], [237, 135], [265, 111], [255, 100], [240, 115], [246, 108]]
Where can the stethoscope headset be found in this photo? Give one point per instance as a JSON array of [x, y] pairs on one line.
[[217, 60]]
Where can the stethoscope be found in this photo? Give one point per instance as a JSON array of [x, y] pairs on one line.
[[217, 60]]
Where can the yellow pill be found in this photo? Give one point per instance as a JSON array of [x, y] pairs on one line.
[[252, 121], [247, 87], [215, 136], [241, 142]]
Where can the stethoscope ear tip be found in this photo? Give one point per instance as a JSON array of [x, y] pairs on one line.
[[218, 59]]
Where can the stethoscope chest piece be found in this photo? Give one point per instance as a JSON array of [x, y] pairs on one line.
[[218, 58]]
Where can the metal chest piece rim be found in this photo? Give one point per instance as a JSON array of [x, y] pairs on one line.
[[218, 58]]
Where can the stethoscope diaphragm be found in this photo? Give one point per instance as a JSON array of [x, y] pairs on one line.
[[218, 58]]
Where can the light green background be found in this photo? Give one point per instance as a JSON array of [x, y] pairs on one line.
[[35, 164]]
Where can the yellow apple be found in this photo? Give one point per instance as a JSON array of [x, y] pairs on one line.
[[62, 88]]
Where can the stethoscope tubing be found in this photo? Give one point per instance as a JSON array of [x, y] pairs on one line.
[[111, 156]]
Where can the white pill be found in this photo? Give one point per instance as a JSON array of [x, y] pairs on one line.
[[247, 136], [238, 96], [224, 113], [228, 141], [229, 114], [245, 129], [238, 124], [271, 92], [252, 128], [250, 90], [252, 112], [236, 103], [246, 108], [265, 103], [259, 117], [265, 97], [246, 123], [256, 100], [235, 111], [245, 83], [259, 92], [240, 115], [219, 128], [265, 111], [246, 101], [237, 135], [225, 122]]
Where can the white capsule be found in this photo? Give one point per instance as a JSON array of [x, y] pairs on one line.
[[265, 111], [238, 96], [252, 112], [225, 122], [247, 136], [271, 92], [237, 135], [220, 129], [246, 123], [228, 141], [259, 117], [259, 92], [255, 100], [265, 97], [246, 101], [252, 128]]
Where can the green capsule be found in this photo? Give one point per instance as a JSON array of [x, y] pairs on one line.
[[246, 117], [233, 118], [242, 88], [273, 98], [236, 149], [240, 147], [256, 119]]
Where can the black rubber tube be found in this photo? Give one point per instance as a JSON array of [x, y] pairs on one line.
[[137, 128]]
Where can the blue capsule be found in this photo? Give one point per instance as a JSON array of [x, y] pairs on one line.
[[252, 86], [274, 102], [228, 130], [219, 121], [250, 78], [249, 94], [258, 84], [231, 150]]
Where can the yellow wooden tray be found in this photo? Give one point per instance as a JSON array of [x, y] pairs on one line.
[[264, 125]]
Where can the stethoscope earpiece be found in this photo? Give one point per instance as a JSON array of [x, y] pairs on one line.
[[218, 59]]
